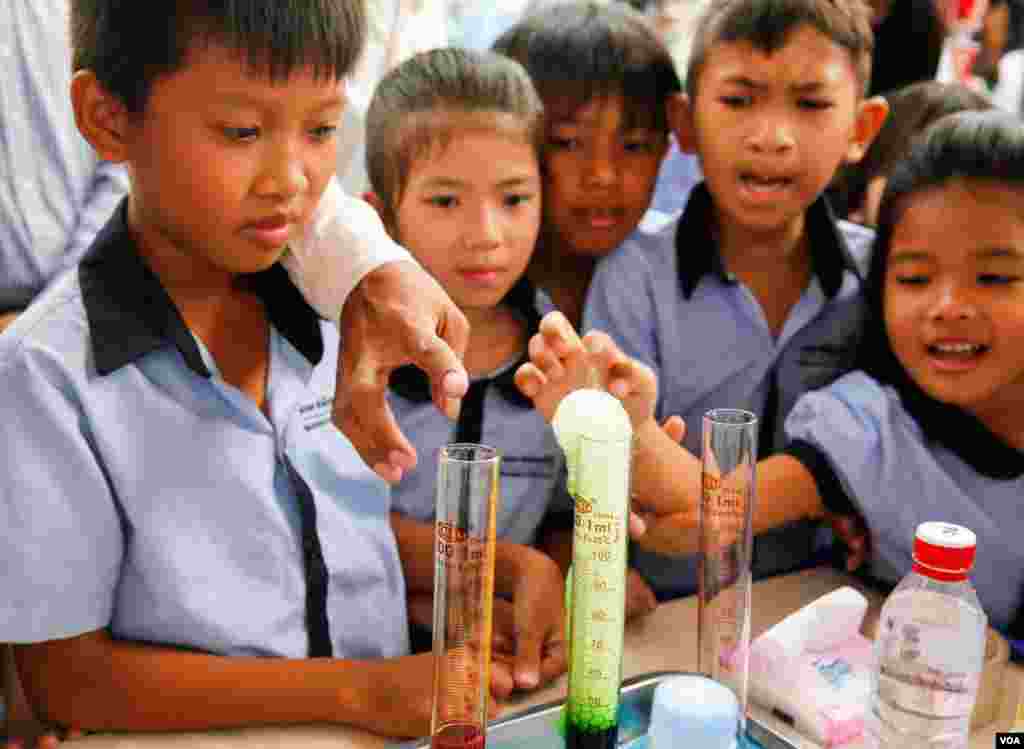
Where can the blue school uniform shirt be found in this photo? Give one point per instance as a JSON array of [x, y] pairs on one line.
[[495, 413], [667, 299], [900, 459], [143, 493]]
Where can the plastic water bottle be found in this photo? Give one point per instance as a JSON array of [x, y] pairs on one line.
[[930, 648]]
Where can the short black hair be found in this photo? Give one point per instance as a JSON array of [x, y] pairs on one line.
[[129, 43], [767, 25], [421, 102], [973, 145], [911, 110], [578, 51]]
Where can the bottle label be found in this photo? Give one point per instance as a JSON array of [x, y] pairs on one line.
[[930, 663]]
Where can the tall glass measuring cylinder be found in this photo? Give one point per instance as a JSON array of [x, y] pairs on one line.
[[729, 458], [466, 508], [599, 484]]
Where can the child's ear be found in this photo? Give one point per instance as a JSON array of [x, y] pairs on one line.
[[680, 118], [871, 114], [101, 117]]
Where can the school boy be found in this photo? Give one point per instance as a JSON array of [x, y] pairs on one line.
[[752, 295], [174, 489]]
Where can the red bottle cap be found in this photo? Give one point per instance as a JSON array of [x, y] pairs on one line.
[[944, 551]]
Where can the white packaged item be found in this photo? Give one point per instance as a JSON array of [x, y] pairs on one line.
[[813, 669]]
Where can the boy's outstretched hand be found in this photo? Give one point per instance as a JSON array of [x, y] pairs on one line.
[[397, 315], [560, 362]]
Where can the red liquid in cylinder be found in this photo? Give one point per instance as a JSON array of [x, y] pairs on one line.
[[458, 736]]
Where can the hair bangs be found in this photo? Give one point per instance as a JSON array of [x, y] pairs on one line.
[[581, 51], [278, 39], [767, 25]]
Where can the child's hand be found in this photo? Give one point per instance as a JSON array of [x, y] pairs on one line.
[[675, 534], [529, 633], [851, 530], [403, 696], [560, 362], [640, 599]]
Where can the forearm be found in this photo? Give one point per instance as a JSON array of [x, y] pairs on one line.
[[95, 682], [786, 493], [667, 480], [665, 477], [344, 241]]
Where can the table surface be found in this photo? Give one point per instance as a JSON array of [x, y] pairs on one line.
[[663, 640]]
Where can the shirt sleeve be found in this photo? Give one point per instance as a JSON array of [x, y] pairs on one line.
[[109, 187], [62, 543], [852, 438], [620, 302], [838, 442], [345, 240]]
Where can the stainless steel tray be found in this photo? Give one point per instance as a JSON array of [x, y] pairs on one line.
[[537, 727]]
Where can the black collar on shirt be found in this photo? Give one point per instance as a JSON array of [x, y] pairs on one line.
[[412, 384], [131, 314], [698, 252], [962, 434]]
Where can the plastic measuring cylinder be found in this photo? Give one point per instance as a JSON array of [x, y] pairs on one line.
[[594, 431]]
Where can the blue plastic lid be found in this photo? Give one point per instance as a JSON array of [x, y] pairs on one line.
[[693, 710]]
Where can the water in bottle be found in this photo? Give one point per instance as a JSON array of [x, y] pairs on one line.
[[930, 648]]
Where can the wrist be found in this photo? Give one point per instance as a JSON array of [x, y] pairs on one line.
[[383, 695]]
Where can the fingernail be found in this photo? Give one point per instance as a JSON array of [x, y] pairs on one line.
[[454, 383]]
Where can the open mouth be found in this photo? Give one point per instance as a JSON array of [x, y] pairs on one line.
[[956, 352], [755, 183]]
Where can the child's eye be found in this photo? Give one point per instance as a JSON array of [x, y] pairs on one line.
[[240, 133], [324, 132], [639, 146], [443, 201], [517, 199], [912, 279], [735, 102], [564, 144], [816, 104], [996, 279]]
